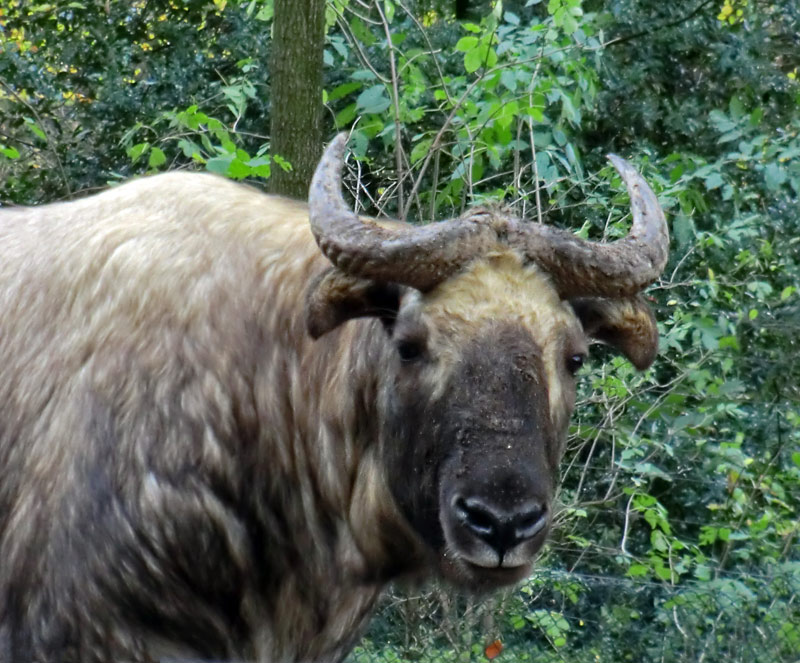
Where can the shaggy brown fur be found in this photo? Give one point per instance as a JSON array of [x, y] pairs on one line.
[[186, 472]]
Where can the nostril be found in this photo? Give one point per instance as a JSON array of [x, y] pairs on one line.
[[476, 516], [529, 523]]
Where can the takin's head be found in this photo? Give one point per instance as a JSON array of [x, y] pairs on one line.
[[487, 318]]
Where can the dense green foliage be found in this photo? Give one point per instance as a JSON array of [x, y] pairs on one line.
[[91, 92], [678, 537]]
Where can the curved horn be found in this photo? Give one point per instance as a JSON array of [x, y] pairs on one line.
[[420, 257], [617, 269], [423, 256]]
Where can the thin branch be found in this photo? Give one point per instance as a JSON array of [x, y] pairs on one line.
[[457, 106], [398, 143], [658, 28], [355, 44], [431, 51], [625, 527], [533, 144], [42, 126]]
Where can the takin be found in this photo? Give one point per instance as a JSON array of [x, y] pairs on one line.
[[228, 419]]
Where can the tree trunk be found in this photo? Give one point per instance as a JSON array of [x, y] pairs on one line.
[[296, 93]]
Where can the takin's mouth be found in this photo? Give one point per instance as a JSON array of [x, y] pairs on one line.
[[500, 575], [475, 577]]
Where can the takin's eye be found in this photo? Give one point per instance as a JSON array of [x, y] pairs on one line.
[[410, 349], [574, 362]]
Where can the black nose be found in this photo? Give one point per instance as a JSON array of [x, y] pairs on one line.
[[501, 529]]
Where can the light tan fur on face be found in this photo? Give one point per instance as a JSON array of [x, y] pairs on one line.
[[499, 288]]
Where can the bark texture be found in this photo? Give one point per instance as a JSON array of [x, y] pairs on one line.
[[296, 93]]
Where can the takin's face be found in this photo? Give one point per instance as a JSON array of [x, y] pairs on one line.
[[478, 405], [483, 350], [476, 398]]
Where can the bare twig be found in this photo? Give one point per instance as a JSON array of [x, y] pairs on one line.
[[625, 527], [431, 50], [460, 101], [533, 144], [659, 28], [356, 45], [398, 142], [41, 125]]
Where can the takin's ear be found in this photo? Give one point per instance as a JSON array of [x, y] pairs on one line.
[[626, 324], [334, 297]]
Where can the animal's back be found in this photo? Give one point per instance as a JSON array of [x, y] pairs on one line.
[[130, 328]]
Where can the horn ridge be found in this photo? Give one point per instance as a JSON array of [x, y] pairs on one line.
[[424, 256], [417, 256], [622, 268]]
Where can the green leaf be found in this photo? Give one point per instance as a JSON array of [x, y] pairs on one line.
[[509, 80], [728, 342], [35, 129], [721, 122], [9, 152], [359, 141], [373, 100], [190, 148], [238, 170], [344, 89], [361, 32], [136, 151], [663, 572], [774, 176], [736, 107], [708, 535], [659, 541], [637, 570], [420, 150], [363, 75], [473, 60], [388, 9], [226, 142], [220, 164], [261, 169], [714, 181], [157, 158], [283, 163], [702, 573], [466, 43], [346, 115], [517, 622]]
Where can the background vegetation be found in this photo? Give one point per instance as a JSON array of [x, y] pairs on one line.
[[678, 534]]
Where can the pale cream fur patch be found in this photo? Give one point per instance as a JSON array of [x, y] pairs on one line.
[[499, 288]]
